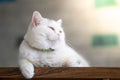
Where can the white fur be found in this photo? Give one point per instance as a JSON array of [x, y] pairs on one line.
[[41, 36]]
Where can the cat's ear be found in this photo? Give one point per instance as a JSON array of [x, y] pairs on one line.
[[59, 21], [36, 18]]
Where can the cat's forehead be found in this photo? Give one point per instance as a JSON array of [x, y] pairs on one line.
[[53, 23]]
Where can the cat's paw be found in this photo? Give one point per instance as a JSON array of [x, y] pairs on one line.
[[28, 72]]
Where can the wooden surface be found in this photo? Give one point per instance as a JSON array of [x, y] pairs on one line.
[[66, 73]]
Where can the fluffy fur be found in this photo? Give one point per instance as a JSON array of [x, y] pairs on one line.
[[44, 34]]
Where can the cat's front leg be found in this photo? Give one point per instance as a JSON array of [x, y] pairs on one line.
[[26, 68]]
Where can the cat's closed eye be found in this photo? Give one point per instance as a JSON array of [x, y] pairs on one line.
[[51, 28]]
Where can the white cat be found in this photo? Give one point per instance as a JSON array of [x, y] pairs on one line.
[[44, 46]]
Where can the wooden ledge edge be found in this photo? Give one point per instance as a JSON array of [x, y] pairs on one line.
[[86, 72]]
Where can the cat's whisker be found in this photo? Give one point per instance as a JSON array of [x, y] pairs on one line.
[[68, 42]]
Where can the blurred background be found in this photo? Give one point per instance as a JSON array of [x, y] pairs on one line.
[[92, 27]]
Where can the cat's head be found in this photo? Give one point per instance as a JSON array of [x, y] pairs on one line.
[[44, 33]]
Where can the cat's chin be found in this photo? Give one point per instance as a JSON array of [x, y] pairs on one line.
[[56, 44]]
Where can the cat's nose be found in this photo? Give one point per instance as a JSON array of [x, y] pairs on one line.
[[58, 34]]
